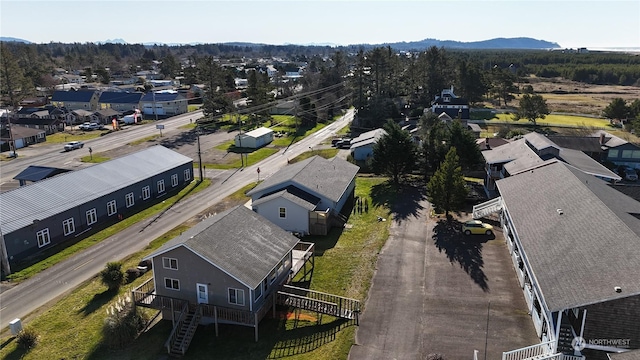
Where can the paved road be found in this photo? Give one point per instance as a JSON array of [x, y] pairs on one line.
[[431, 293], [54, 282], [54, 155]]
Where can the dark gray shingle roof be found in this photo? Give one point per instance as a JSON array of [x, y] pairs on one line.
[[579, 256], [329, 178], [294, 195], [40, 200], [239, 241]]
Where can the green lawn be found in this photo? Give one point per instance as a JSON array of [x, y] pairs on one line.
[[345, 262], [145, 139], [249, 159], [65, 136], [325, 153], [556, 119], [94, 159], [54, 258]]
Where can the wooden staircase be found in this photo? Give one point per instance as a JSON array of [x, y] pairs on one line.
[[323, 303], [184, 330]]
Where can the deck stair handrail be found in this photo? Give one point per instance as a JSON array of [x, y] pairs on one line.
[[188, 331], [320, 302], [487, 207], [538, 352], [173, 336]]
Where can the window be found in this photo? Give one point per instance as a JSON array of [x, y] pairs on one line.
[[282, 213], [170, 263], [160, 186], [111, 207], [236, 296], [43, 237], [92, 217], [187, 175], [68, 226], [128, 199], [257, 292], [612, 154], [636, 154], [174, 180], [172, 284], [272, 276], [146, 192], [627, 154]]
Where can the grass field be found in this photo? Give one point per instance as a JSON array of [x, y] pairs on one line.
[[71, 328], [556, 119], [249, 159]]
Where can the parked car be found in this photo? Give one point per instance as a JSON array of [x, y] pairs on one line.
[[477, 227], [630, 173], [84, 126], [344, 143], [73, 145]]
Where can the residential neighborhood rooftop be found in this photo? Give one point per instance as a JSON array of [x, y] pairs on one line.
[[581, 236], [238, 241], [312, 173], [48, 197]]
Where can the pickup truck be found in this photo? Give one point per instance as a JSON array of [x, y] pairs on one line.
[[89, 126], [73, 145]]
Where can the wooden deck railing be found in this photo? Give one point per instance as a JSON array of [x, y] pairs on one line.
[[236, 316], [318, 301]]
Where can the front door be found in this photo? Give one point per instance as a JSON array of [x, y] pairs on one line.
[[203, 293]]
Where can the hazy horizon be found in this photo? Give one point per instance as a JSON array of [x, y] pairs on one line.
[[569, 23]]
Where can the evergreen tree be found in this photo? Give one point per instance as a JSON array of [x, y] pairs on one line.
[[465, 144], [11, 76], [617, 109], [532, 107], [446, 188], [395, 153]]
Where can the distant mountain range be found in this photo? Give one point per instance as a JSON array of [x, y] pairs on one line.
[[498, 43]]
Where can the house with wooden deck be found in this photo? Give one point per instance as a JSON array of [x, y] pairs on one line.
[[575, 245], [306, 197], [231, 268]]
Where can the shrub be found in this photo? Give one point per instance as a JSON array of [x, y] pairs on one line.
[[27, 338], [132, 274], [112, 275], [123, 325]]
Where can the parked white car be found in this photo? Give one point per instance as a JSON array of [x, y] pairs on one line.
[[630, 173]]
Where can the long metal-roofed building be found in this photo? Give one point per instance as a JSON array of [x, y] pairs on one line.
[[37, 217]]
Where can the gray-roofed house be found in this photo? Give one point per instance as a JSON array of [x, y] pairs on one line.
[[41, 216], [362, 146], [534, 150], [575, 245], [618, 151], [24, 136], [233, 263], [306, 197]]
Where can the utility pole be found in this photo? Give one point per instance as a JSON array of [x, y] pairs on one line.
[[155, 110], [240, 140], [199, 155]]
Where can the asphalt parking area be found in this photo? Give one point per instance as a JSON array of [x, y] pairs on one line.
[[438, 291]]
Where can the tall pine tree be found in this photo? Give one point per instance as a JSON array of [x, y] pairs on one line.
[[446, 188]]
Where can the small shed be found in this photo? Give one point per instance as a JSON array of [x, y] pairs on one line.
[[255, 138]]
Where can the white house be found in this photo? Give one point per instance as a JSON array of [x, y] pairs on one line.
[[255, 138], [304, 197], [362, 146]]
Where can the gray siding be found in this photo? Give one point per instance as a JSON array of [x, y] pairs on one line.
[[192, 269], [297, 218], [22, 243]]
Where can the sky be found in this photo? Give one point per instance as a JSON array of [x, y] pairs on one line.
[[570, 23]]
